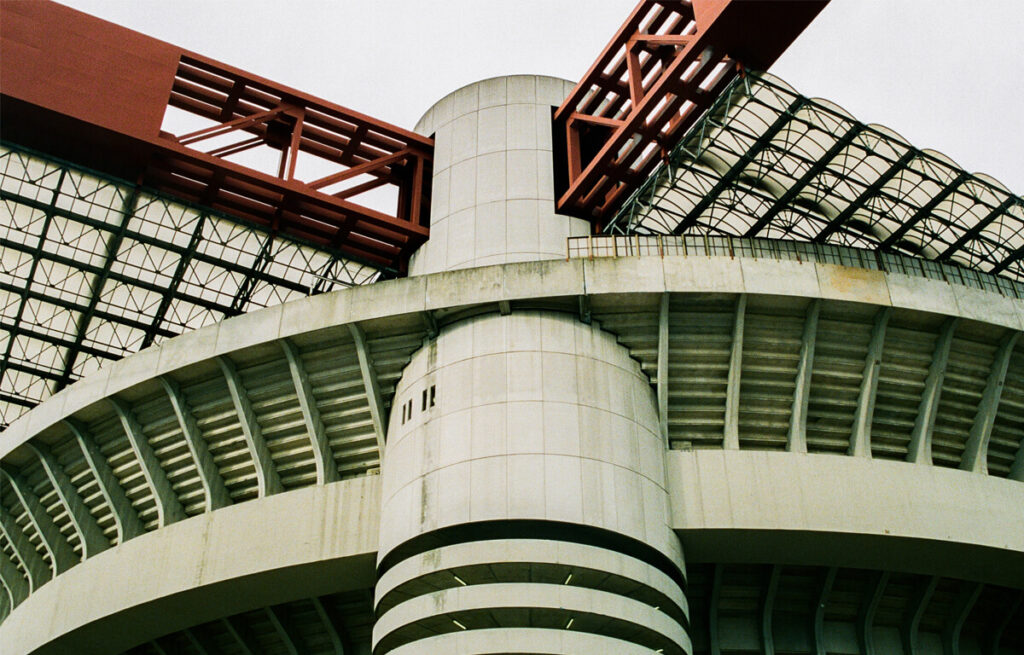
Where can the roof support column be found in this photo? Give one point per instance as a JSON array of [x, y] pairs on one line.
[[209, 475], [126, 519], [168, 507], [242, 640], [373, 397], [61, 554], [279, 621], [731, 438], [920, 448], [663, 376], [326, 467], [975, 457], [797, 440], [89, 531], [267, 480], [860, 438], [997, 635]]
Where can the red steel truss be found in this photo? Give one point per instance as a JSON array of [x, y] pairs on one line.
[[96, 93], [661, 71]]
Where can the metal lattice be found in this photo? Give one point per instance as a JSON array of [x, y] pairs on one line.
[[767, 162], [93, 269]]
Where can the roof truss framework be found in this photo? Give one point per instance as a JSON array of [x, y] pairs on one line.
[[93, 269], [824, 177], [661, 71]]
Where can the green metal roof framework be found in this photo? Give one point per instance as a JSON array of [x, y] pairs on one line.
[[767, 162], [93, 269]]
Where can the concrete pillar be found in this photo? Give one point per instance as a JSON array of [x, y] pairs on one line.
[[524, 506], [492, 191]]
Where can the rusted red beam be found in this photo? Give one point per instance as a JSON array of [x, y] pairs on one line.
[[86, 90], [662, 69]]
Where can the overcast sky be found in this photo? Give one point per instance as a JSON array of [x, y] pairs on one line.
[[945, 74]]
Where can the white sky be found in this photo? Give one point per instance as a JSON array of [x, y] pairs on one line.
[[945, 74]]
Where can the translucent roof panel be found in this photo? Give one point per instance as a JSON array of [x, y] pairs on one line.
[[767, 162], [93, 269]]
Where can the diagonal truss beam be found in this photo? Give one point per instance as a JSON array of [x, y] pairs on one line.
[[61, 554], [664, 67], [372, 387], [90, 535]]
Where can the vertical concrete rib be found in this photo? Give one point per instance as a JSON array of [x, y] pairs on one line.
[[917, 606], [326, 468], [961, 610], [267, 480], [6, 601], [168, 507], [663, 370], [61, 554], [337, 642], [243, 642], [126, 519], [867, 614], [209, 475], [15, 584], [716, 597], [373, 397], [768, 611], [39, 572], [995, 639], [197, 642], [287, 638], [1017, 470], [920, 448], [818, 621], [975, 457], [796, 442], [860, 437], [731, 439], [88, 529]]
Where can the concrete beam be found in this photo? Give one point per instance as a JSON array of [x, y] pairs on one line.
[[267, 480], [860, 438], [330, 627], [370, 384], [16, 587], [975, 456], [284, 631], [39, 572], [326, 467], [818, 621], [168, 507], [88, 529], [61, 554], [920, 449], [716, 598], [866, 618], [215, 491], [796, 441], [126, 519], [965, 601], [731, 439], [663, 366], [768, 610], [918, 604], [240, 636]]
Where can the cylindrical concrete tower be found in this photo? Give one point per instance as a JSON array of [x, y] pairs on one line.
[[523, 479]]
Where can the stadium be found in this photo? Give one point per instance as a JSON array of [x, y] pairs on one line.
[[674, 359]]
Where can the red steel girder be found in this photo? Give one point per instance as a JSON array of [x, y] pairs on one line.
[[663, 68], [95, 93]]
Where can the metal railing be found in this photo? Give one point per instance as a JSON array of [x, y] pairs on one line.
[[635, 245]]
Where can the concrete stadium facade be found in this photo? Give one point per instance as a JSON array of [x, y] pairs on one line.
[[517, 449]]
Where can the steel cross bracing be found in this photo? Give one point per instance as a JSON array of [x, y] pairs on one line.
[[93, 269], [211, 134], [768, 162], [665, 66]]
